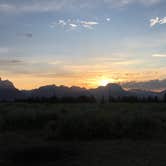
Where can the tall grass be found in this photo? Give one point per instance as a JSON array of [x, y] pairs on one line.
[[85, 121]]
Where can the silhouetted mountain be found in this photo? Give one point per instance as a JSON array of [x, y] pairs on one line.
[[6, 84], [8, 92], [114, 90], [59, 91], [163, 94], [143, 93]]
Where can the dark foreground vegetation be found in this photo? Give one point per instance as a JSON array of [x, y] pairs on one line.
[[83, 134], [92, 99]]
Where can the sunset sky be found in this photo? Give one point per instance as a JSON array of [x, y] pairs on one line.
[[82, 42]]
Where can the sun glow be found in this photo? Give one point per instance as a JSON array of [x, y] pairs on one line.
[[104, 81]]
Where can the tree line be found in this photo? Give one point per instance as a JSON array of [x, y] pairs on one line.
[[92, 99]]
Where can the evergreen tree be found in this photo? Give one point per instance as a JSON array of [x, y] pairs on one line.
[[102, 100]]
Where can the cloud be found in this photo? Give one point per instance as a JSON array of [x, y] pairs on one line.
[[157, 20], [65, 24], [121, 3], [62, 22], [27, 34], [146, 85], [108, 19], [163, 21], [127, 62], [32, 6], [154, 21], [75, 23], [89, 24], [57, 5], [18, 67], [159, 55], [8, 62]]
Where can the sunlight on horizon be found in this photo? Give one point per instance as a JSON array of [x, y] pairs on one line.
[[105, 81]]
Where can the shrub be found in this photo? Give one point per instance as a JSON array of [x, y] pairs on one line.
[[51, 130]]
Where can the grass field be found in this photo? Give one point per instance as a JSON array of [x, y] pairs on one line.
[[83, 134]]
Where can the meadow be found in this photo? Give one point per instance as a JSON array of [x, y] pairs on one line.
[[66, 133]]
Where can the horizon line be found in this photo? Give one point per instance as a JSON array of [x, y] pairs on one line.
[[82, 87]]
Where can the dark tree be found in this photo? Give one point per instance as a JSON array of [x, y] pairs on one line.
[[102, 100], [156, 99], [165, 97]]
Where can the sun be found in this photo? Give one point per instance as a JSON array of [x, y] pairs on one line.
[[104, 82]]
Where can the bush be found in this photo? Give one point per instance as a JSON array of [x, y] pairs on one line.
[[86, 121], [24, 120], [103, 127], [51, 130], [143, 127]]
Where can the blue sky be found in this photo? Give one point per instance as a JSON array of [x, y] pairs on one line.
[[81, 42]]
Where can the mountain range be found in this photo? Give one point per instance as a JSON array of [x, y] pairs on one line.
[[8, 92]]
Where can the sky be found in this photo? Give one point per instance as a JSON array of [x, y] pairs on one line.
[[82, 42]]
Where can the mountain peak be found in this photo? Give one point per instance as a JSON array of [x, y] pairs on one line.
[[6, 84], [114, 86]]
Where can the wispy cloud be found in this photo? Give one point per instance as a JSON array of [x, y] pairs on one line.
[[74, 23], [32, 6], [154, 21], [163, 21], [128, 62], [41, 68], [89, 24], [121, 3], [159, 55], [57, 5], [62, 22], [157, 20], [7, 62], [27, 34]]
